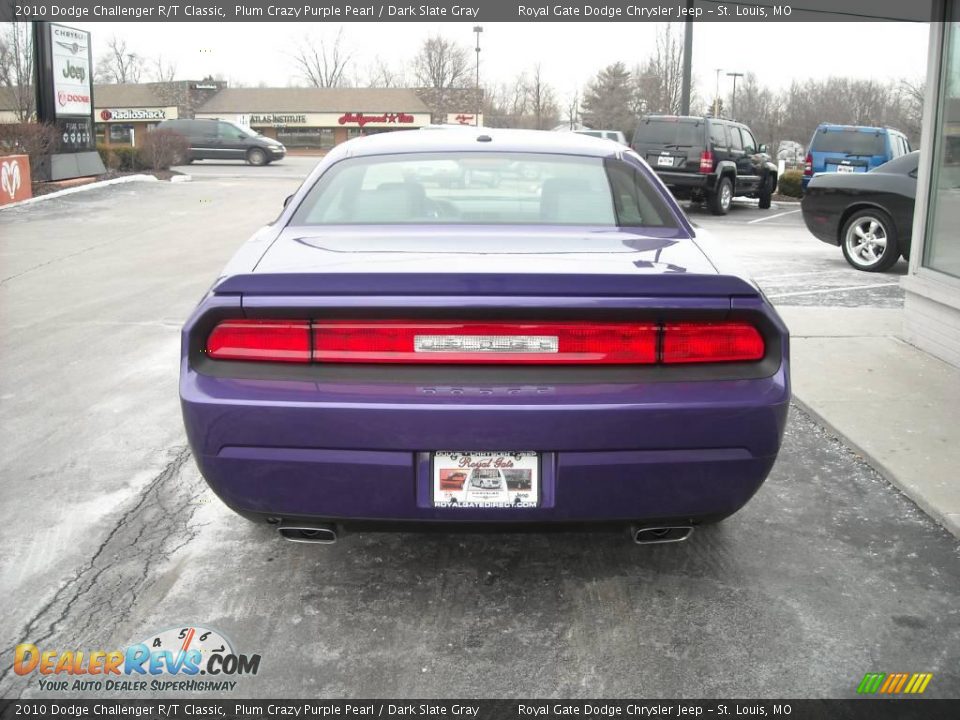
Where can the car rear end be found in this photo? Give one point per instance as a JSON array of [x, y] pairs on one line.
[[677, 149], [845, 149], [597, 373], [309, 397]]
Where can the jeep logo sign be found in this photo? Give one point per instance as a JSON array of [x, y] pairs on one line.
[[78, 72]]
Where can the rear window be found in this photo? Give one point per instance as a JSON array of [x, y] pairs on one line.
[[675, 133], [848, 142], [483, 188]]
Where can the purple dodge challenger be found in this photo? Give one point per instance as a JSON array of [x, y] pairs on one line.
[[483, 328]]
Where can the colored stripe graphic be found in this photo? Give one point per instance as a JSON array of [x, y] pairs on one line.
[[894, 683], [870, 683]]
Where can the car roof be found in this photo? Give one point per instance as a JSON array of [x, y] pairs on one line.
[[478, 139], [857, 128]]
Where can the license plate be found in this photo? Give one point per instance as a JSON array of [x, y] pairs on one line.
[[664, 161], [846, 168], [486, 479]]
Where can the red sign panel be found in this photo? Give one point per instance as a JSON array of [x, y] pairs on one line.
[[15, 179]]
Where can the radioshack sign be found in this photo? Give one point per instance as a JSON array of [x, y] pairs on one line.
[[131, 115]]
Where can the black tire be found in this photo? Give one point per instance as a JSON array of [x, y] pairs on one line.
[[256, 156], [719, 200], [766, 192], [869, 241]]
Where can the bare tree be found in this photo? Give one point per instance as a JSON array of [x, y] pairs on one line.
[[659, 79], [542, 100], [16, 68], [119, 64], [441, 64], [164, 70], [382, 74], [322, 63], [573, 110]]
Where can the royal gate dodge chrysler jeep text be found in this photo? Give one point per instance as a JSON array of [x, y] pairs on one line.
[[560, 348]]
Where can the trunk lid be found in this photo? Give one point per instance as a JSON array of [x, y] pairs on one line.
[[493, 261]]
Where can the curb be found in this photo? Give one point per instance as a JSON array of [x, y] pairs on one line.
[[944, 520], [83, 188]]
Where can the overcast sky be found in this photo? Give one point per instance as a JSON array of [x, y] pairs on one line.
[[570, 53]]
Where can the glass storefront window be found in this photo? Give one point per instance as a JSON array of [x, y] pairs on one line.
[[306, 137], [121, 135], [942, 242]]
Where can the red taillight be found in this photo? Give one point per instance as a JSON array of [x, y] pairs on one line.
[[706, 162], [808, 165], [711, 342], [432, 342], [416, 342], [261, 340]]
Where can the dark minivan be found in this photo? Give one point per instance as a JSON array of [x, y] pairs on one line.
[[706, 158], [222, 140]]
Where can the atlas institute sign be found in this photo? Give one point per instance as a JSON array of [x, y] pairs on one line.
[[64, 83]]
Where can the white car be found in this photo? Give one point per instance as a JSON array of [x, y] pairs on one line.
[[614, 135], [487, 485]]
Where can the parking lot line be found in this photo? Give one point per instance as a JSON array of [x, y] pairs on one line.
[[835, 289], [771, 217]]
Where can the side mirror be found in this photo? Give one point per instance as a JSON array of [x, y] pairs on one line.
[[287, 199], [763, 148]]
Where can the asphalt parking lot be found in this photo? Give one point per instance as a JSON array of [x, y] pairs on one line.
[[111, 535]]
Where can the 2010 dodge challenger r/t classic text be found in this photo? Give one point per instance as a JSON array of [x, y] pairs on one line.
[[477, 327]]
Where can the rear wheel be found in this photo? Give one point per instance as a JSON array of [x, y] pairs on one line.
[[869, 241], [719, 200], [256, 156], [766, 192]]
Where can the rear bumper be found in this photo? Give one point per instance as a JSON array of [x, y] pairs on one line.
[[362, 452], [821, 223], [688, 180]]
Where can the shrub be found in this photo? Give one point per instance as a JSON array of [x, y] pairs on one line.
[[120, 157], [162, 148], [37, 140], [790, 183], [109, 159]]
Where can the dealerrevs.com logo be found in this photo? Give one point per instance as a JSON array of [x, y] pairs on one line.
[[181, 659]]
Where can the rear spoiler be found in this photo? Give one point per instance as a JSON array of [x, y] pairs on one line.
[[514, 285]]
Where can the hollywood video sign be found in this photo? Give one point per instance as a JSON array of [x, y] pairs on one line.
[[378, 120]]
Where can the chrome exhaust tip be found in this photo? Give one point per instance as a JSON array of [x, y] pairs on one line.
[[655, 535], [321, 533]]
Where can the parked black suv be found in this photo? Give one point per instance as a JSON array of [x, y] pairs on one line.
[[705, 158], [221, 140]]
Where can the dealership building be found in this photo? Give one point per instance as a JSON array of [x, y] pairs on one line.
[[932, 284], [306, 118], [318, 117]]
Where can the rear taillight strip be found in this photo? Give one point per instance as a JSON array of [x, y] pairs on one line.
[[416, 342]]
